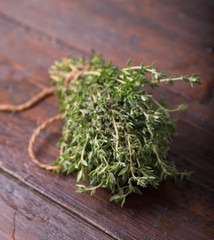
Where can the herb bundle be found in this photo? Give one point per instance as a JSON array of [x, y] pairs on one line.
[[116, 135]]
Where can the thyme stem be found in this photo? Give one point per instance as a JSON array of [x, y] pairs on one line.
[[117, 135], [130, 155]]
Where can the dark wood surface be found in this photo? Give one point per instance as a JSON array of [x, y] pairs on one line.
[[37, 204]]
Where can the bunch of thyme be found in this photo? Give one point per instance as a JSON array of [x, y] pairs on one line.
[[116, 135]]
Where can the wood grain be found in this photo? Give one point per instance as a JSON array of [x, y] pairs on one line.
[[32, 38], [25, 214]]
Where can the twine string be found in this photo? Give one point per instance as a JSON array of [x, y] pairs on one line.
[[16, 108], [33, 139], [73, 75]]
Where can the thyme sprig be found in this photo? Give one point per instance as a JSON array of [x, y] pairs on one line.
[[116, 135]]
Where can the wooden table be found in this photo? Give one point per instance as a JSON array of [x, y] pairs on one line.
[[37, 204]]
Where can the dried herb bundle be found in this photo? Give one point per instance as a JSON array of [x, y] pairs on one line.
[[116, 135]]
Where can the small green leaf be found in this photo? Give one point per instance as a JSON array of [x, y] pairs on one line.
[[128, 63], [112, 178], [123, 202], [182, 107], [93, 191], [79, 175], [154, 63], [137, 190], [115, 198], [81, 188], [123, 171], [84, 162]]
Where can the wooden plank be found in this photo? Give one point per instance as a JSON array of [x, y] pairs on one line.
[[180, 42], [167, 213], [25, 214]]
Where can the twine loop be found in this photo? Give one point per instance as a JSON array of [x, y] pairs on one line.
[[73, 75]]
